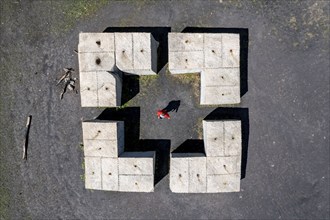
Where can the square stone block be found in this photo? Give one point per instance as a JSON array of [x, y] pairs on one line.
[[93, 173], [109, 89], [186, 62], [223, 165], [96, 42], [137, 163], [213, 50], [102, 148], [88, 89], [136, 183], [233, 138], [231, 50], [217, 95], [110, 174], [213, 133], [185, 42], [179, 174], [104, 61], [197, 175], [145, 52], [124, 51], [220, 77], [103, 130], [223, 183]]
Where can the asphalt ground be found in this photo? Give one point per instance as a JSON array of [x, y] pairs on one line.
[[285, 110]]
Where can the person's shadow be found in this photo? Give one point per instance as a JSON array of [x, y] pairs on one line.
[[172, 106]]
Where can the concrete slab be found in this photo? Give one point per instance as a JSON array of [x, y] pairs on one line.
[[230, 50], [137, 163], [223, 183], [97, 61], [216, 95], [185, 42], [100, 89], [124, 51], [186, 62], [197, 175], [233, 138], [88, 89], [103, 130], [96, 42], [213, 134], [93, 178], [136, 183], [223, 165], [144, 54], [179, 174], [110, 179], [102, 148], [213, 50], [221, 77], [109, 91]]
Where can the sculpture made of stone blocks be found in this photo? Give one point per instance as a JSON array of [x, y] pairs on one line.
[[102, 54], [216, 57], [218, 170], [108, 167]]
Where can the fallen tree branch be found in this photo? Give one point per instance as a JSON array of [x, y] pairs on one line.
[[26, 138]]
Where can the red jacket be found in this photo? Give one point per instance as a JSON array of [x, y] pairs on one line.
[[163, 114]]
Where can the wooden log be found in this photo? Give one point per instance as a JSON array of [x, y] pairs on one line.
[[26, 137]]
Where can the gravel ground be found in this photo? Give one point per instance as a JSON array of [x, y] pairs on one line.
[[285, 108]]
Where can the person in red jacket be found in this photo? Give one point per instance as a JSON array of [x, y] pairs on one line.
[[163, 114]]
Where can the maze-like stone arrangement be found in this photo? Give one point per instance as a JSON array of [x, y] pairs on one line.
[[216, 56], [217, 171], [101, 54], [108, 167]]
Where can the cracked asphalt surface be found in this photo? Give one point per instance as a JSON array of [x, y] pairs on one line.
[[287, 173]]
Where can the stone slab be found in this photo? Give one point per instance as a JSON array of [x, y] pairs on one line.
[[136, 183], [96, 42], [98, 61], [220, 77], [144, 58], [217, 95], [179, 174], [93, 173], [186, 62], [230, 50], [142, 51], [197, 175], [88, 89], [109, 89], [103, 130], [223, 183], [213, 50], [102, 148], [223, 165], [185, 42], [213, 134], [110, 179], [233, 138], [137, 163], [124, 51]]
